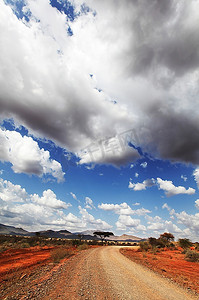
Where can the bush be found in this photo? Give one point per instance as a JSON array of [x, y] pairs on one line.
[[192, 256], [83, 247], [197, 246], [92, 242], [172, 246], [144, 246], [156, 243], [76, 242], [25, 245], [184, 243], [153, 242], [60, 253]]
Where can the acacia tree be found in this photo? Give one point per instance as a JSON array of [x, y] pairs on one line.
[[166, 238], [80, 236], [103, 234]]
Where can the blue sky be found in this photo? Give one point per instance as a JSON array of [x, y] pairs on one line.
[[99, 116]]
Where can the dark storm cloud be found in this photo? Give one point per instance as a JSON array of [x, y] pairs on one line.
[[162, 35], [176, 136], [144, 57]]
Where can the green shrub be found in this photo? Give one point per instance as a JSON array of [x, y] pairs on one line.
[[192, 255]]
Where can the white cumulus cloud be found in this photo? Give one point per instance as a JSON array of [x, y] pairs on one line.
[[139, 186], [10, 192], [26, 157], [170, 189], [32, 212], [127, 222], [123, 209], [191, 222], [49, 199], [93, 223]]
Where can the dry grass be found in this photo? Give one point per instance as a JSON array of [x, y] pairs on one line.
[[83, 247], [192, 255], [58, 254]]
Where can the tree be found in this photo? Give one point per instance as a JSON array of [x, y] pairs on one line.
[[153, 242], [159, 243], [80, 236], [166, 238], [184, 243], [103, 234]]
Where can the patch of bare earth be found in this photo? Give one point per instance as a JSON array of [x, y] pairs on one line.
[[24, 269]]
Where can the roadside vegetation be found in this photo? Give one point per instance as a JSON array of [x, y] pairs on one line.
[[176, 260], [19, 242], [58, 254], [166, 241]]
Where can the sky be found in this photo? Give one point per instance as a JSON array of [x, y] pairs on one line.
[[99, 116]]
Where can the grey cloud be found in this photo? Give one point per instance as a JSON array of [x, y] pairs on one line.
[[162, 36], [144, 55], [175, 135]]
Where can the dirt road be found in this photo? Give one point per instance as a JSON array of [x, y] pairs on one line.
[[99, 273], [104, 273]]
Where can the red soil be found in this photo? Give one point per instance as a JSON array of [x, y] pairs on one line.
[[170, 263], [22, 270], [15, 259]]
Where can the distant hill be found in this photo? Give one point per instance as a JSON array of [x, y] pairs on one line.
[[62, 234], [124, 238], [65, 234], [11, 230], [86, 232]]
